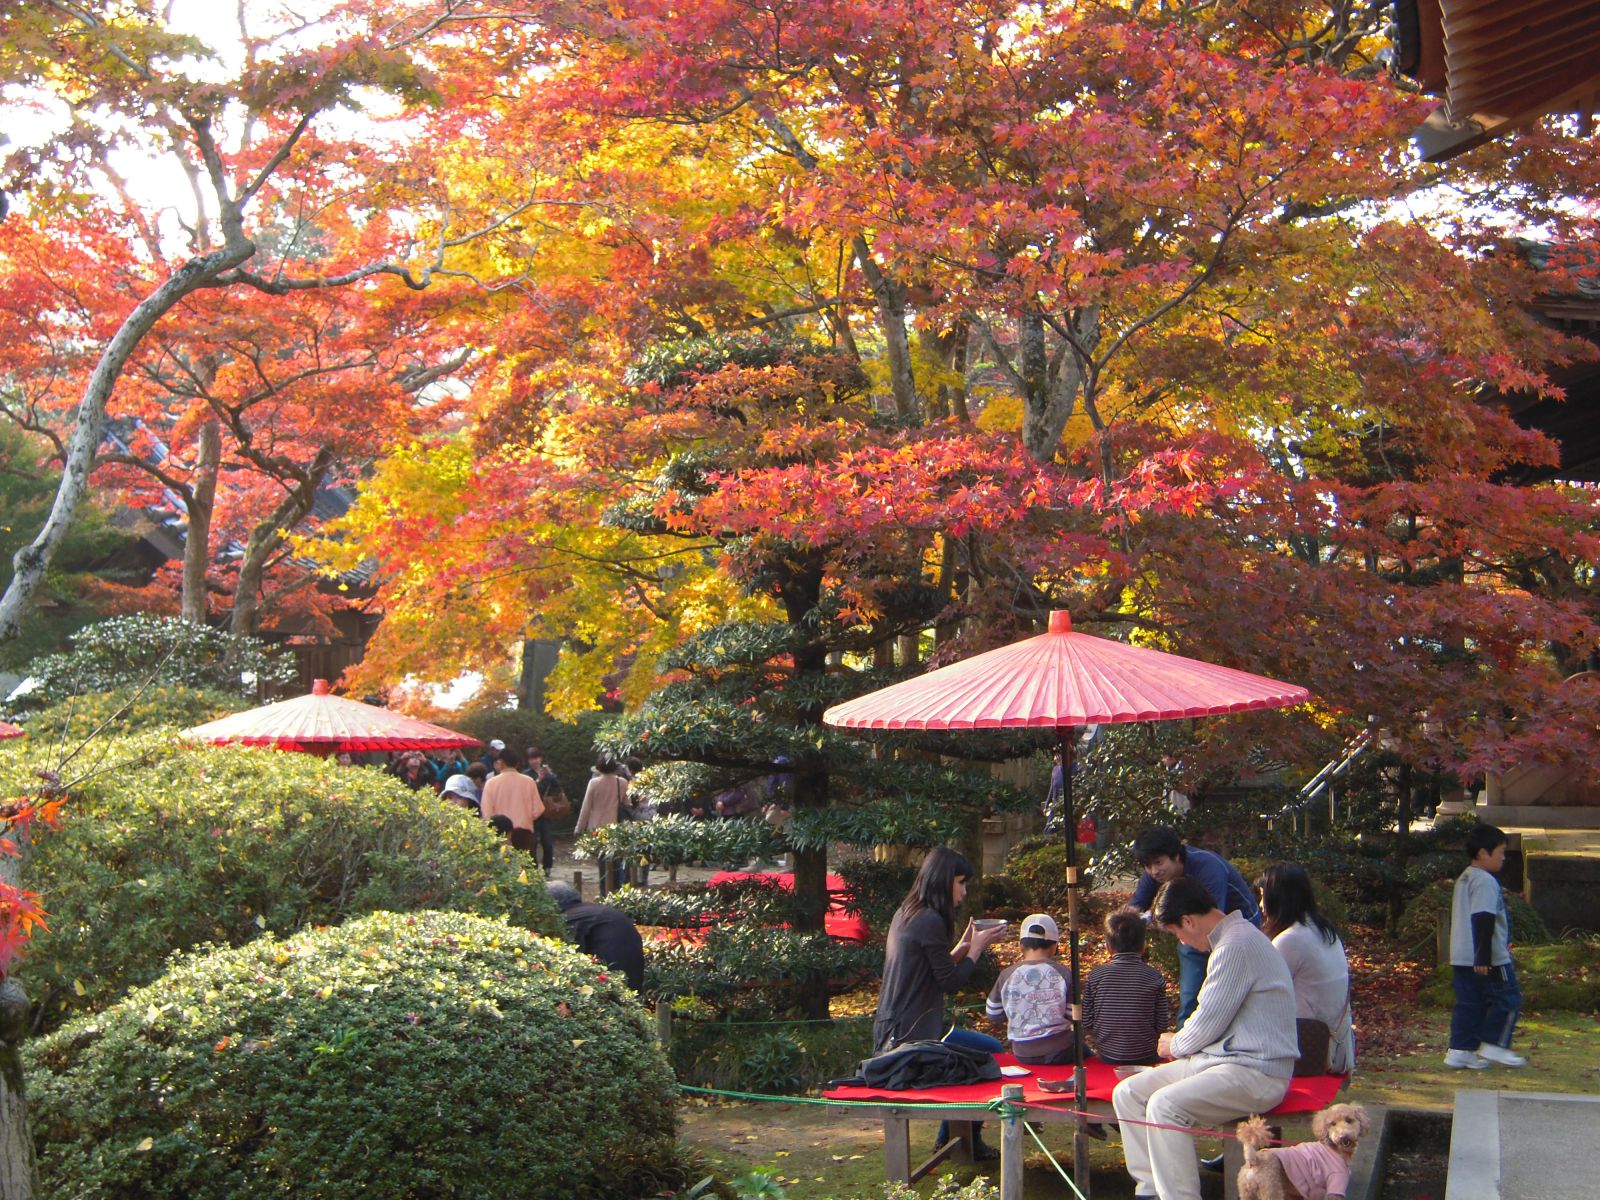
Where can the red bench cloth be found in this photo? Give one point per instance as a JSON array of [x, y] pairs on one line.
[[1308, 1093], [838, 921]]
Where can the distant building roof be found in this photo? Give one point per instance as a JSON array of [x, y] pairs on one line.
[[1499, 64]]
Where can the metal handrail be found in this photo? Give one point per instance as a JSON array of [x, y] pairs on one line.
[[1323, 779]]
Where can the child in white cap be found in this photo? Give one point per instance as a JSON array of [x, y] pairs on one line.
[[1034, 997]]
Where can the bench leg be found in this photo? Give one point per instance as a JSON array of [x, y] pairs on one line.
[[962, 1134], [897, 1149]]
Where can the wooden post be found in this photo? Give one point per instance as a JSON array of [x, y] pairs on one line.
[[1013, 1146], [577, 882], [664, 1025]]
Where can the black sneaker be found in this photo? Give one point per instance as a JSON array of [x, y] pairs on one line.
[[1212, 1164], [983, 1152]]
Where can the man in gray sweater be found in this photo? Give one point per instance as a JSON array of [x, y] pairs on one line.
[[1234, 1056]]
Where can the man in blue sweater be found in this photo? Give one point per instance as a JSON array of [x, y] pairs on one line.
[[1165, 858]]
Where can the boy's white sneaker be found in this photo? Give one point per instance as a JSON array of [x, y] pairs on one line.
[[1500, 1056], [1465, 1060]]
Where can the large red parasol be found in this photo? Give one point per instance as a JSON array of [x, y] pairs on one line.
[[10, 731], [1062, 680], [323, 723]]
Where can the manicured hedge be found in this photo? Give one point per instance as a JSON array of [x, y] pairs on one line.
[[431, 1055], [131, 710], [167, 847]]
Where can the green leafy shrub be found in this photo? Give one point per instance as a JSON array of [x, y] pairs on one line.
[[732, 962], [425, 1055], [131, 710], [677, 839], [1559, 976], [875, 889], [130, 651], [1418, 931], [168, 847], [946, 1189], [768, 1057], [1037, 868], [697, 905]]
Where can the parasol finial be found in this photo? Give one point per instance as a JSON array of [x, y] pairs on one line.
[[1060, 621]]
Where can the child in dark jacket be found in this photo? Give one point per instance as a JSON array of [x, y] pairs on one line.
[[1125, 1000]]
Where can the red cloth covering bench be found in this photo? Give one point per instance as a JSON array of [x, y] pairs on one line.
[[1309, 1093]]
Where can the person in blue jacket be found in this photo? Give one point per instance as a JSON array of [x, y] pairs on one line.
[[1160, 852]]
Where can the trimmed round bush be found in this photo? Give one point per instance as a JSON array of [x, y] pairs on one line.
[[168, 847], [417, 1055], [132, 711], [141, 648]]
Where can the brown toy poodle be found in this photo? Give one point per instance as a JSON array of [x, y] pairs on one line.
[[1318, 1170]]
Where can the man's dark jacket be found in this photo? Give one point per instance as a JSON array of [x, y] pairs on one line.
[[924, 1064], [606, 934]]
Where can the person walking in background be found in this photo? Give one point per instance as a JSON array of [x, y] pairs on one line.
[[459, 789], [1234, 1057], [1164, 858], [1488, 997], [511, 794], [604, 801], [1311, 946], [551, 794], [1125, 1000]]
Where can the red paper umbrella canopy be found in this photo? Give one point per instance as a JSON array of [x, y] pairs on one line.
[[322, 723], [10, 731], [1062, 679]]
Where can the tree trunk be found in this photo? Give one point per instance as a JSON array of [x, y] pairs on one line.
[[1049, 396], [265, 538], [197, 542], [32, 561], [891, 300]]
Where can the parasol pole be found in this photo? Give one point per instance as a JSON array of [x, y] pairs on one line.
[[1080, 1137]]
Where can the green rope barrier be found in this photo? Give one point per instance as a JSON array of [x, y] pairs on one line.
[[1002, 1108], [1060, 1170]]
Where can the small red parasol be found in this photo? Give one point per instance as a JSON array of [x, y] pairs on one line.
[[1062, 680], [322, 723], [8, 730]]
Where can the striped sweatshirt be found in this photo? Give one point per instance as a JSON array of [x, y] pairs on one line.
[[1125, 1008], [1245, 1012]]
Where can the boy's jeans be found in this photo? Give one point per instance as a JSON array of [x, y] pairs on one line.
[[1486, 1008]]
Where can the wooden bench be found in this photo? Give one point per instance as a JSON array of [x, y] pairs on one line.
[[897, 1109]]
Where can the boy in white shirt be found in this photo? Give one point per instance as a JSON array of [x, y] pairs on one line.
[[1488, 998], [1034, 997]]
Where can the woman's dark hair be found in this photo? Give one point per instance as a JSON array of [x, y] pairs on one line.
[[1160, 842], [510, 757], [1287, 899], [934, 884], [1179, 899], [606, 765]]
